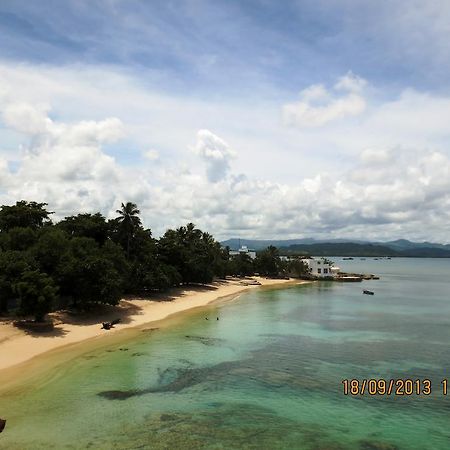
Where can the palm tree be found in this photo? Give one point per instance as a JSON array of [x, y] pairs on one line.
[[129, 221]]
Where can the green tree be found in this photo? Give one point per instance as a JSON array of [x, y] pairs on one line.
[[220, 256], [191, 252], [12, 265], [241, 265], [268, 261], [147, 271], [50, 248], [173, 252], [298, 268], [36, 292], [221, 263], [18, 238], [92, 226], [92, 274], [24, 214], [127, 223]]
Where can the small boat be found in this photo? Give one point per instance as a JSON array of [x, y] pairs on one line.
[[365, 291], [347, 259]]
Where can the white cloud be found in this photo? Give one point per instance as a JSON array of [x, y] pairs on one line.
[[151, 154], [315, 92], [317, 106], [216, 154], [92, 132], [376, 156], [63, 164], [387, 177], [351, 83], [26, 118]]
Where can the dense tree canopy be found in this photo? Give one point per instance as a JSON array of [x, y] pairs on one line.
[[36, 292], [86, 225], [268, 262], [85, 259], [24, 214], [195, 255]]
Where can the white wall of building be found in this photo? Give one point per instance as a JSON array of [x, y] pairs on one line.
[[319, 268], [244, 250]]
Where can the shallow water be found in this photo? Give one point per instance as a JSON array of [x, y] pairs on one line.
[[267, 375]]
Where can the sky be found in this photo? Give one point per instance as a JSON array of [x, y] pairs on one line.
[[252, 119]]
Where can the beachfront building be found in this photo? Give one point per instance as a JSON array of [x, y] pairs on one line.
[[244, 250], [320, 267], [335, 270]]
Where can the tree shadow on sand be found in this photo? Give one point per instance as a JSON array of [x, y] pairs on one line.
[[179, 292], [56, 332], [99, 314]]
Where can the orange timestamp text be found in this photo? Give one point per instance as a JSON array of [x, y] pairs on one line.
[[398, 387]]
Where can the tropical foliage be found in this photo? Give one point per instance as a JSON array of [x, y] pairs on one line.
[[86, 259]]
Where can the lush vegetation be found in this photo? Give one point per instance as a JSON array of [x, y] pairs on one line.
[[86, 259]]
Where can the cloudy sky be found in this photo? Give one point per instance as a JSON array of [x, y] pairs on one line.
[[255, 118]]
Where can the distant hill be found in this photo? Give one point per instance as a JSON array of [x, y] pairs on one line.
[[260, 244], [342, 247], [404, 244]]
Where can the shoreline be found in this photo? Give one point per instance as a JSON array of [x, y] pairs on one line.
[[18, 347]]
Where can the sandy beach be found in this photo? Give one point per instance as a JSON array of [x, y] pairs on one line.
[[18, 346]]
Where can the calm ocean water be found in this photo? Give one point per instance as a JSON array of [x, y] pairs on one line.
[[267, 375]]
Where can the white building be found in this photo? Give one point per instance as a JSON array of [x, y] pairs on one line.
[[244, 250], [320, 267]]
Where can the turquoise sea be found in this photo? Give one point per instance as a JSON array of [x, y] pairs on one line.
[[266, 375]]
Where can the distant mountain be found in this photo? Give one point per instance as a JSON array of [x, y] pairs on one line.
[[352, 249], [339, 249], [343, 247], [404, 244], [260, 244]]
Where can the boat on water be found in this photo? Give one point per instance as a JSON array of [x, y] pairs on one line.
[[347, 259], [365, 291]]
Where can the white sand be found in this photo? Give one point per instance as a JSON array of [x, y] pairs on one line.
[[17, 346]]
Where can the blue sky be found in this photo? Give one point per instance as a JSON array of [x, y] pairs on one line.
[[302, 107], [230, 45]]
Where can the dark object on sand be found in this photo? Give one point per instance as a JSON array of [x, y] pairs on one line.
[[2, 424], [109, 325], [32, 325], [368, 292]]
